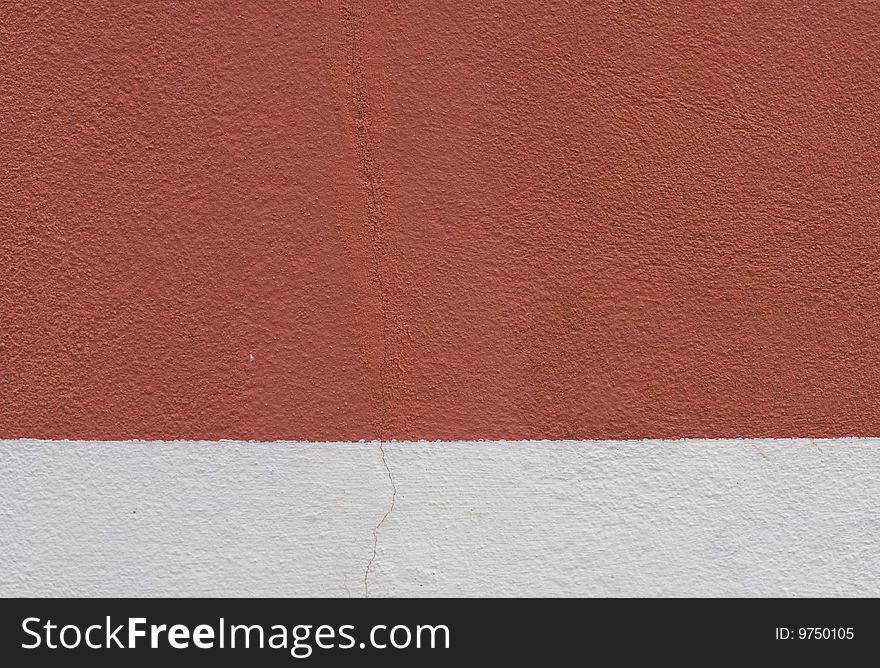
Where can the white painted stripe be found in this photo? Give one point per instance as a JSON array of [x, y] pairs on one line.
[[717, 518]]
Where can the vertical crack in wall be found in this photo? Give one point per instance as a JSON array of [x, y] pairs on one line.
[[352, 15], [391, 367], [381, 521]]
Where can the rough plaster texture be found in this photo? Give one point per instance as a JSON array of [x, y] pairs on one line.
[[506, 219], [746, 517]]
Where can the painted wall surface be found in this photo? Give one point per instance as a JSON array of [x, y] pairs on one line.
[[735, 518], [340, 221]]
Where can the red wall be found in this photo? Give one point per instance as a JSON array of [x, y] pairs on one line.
[[464, 220]]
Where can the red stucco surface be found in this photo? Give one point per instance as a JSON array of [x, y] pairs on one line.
[[508, 219]]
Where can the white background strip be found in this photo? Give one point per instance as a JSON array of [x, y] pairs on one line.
[[640, 518]]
